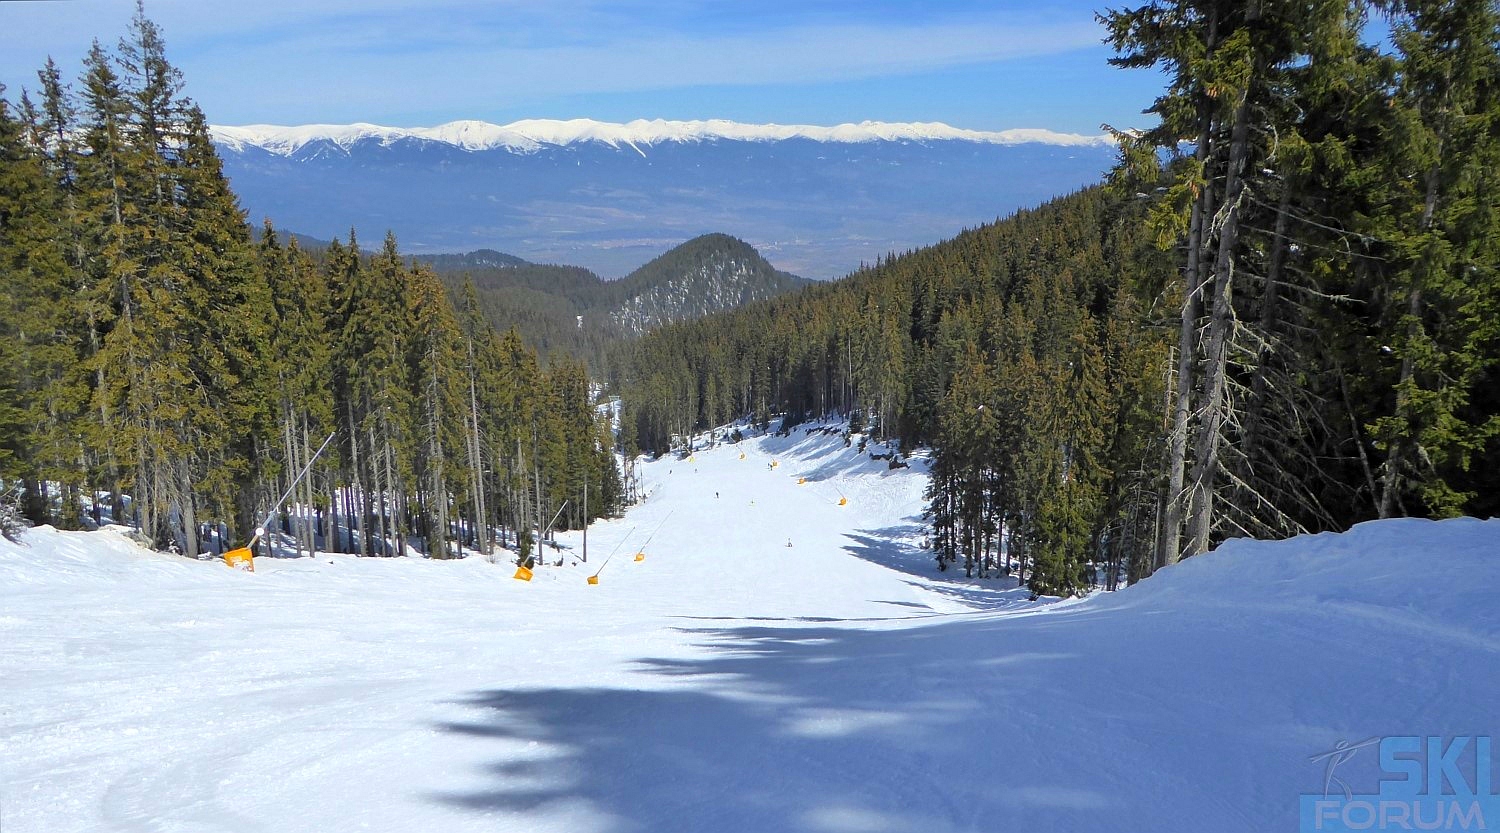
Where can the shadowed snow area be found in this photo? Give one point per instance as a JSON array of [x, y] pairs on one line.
[[727, 682]]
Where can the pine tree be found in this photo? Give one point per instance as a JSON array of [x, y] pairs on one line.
[[301, 351], [1440, 222], [437, 371], [104, 171], [478, 340], [38, 344]]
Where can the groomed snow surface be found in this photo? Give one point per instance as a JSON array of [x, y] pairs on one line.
[[727, 682]]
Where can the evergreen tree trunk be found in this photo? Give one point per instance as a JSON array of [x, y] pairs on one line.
[[1175, 505], [395, 502], [1269, 323], [356, 505], [476, 460], [293, 466], [1220, 326], [308, 498], [188, 514], [1391, 478], [376, 501], [438, 493]]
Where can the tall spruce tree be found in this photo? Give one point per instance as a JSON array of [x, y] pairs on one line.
[[1439, 296]]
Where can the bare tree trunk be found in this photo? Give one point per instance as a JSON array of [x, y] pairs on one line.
[[1175, 505], [536, 474], [1018, 547], [351, 509], [292, 468], [476, 460], [188, 516], [439, 489], [521, 496], [376, 500], [1220, 324], [358, 497], [145, 492], [1391, 477], [495, 516], [1168, 543], [1358, 437], [397, 498], [308, 497], [1269, 318]]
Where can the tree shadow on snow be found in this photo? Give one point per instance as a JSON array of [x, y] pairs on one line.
[[1072, 718], [891, 548], [1131, 712], [818, 729]]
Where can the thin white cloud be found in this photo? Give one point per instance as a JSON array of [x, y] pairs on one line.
[[259, 60], [467, 74]]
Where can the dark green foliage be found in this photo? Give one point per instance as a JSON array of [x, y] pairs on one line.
[[1338, 249], [1016, 350], [478, 259], [1432, 277], [569, 310], [701, 257], [1280, 315], [41, 392], [153, 352]]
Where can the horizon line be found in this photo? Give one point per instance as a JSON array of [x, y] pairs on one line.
[[532, 134]]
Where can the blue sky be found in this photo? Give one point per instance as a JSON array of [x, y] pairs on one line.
[[979, 65]]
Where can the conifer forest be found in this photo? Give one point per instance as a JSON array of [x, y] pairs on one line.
[[1280, 313], [163, 368]]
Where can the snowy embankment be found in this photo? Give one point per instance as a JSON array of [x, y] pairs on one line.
[[727, 682]]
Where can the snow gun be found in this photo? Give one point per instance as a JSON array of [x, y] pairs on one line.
[[523, 569], [243, 558], [594, 579], [640, 554]]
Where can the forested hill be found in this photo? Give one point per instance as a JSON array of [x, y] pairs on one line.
[[311, 245], [478, 259], [1311, 338], [1020, 344], [848, 344], [572, 310], [707, 274]]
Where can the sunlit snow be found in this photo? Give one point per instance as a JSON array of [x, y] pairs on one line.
[[727, 681]]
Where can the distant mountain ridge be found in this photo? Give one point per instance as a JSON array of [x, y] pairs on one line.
[[532, 134], [480, 259], [572, 309], [816, 201]]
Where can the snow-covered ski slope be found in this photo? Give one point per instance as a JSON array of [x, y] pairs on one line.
[[727, 682]]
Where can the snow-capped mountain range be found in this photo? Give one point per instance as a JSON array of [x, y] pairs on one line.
[[531, 135], [816, 201]]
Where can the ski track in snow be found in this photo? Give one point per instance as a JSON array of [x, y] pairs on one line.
[[727, 682]]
